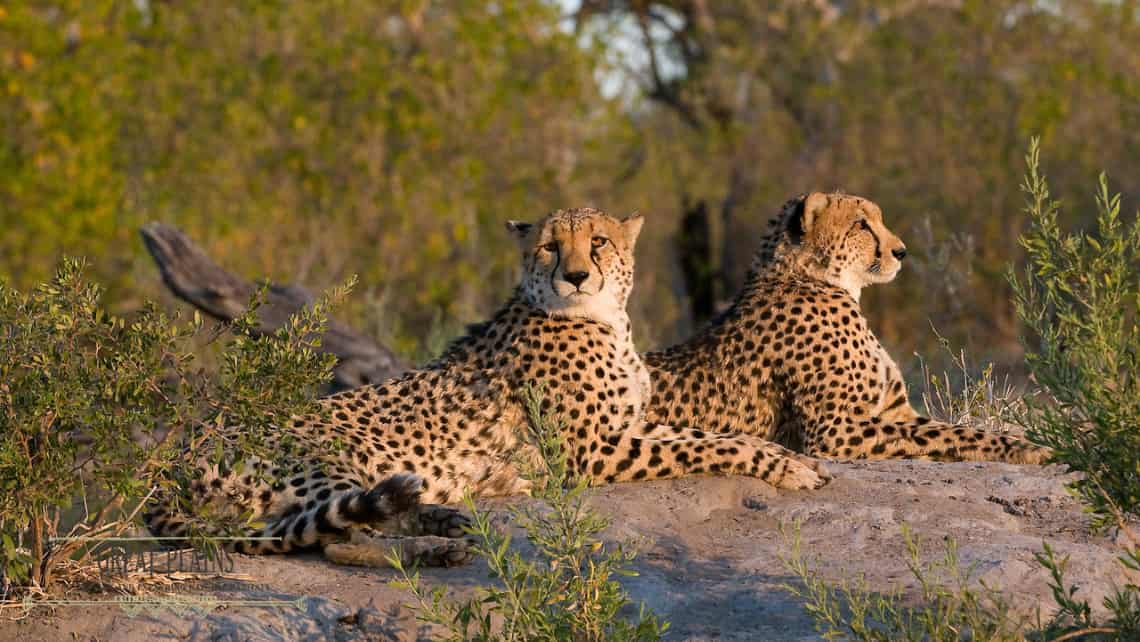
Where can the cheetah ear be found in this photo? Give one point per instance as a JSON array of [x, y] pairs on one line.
[[519, 229], [632, 226], [803, 217]]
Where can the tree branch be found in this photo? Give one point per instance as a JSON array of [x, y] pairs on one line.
[[663, 91], [193, 277]]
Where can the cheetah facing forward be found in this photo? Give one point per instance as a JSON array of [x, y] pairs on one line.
[[453, 425], [794, 359]]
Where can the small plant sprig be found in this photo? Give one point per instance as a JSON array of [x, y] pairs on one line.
[[971, 395], [949, 607], [567, 590]]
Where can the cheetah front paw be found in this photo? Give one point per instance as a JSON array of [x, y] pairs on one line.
[[1031, 454], [815, 464], [439, 551], [442, 521], [368, 547], [799, 475]]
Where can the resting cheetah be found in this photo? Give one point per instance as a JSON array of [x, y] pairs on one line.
[[793, 359], [453, 425]]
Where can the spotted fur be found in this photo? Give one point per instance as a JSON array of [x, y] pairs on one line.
[[794, 360], [454, 425]]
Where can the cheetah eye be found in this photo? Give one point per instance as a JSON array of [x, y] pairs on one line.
[[551, 247], [598, 241], [863, 224]]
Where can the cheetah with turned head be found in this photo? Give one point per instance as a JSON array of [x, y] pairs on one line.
[[794, 360], [453, 426]]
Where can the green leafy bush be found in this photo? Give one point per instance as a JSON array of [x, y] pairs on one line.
[[1078, 299], [96, 413], [567, 591]]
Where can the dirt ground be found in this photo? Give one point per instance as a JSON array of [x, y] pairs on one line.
[[709, 563]]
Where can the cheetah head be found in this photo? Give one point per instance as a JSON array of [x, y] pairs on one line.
[[579, 263], [837, 238]]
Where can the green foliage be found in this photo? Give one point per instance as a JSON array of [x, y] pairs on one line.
[[298, 141], [97, 411], [70, 372], [264, 381], [566, 591], [1078, 299], [950, 607]]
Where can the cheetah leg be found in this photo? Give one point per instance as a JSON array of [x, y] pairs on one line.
[[629, 458], [923, 439], [369, 548], [441, 521], [664, 431]]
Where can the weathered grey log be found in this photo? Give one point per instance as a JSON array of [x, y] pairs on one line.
[[198, 280]]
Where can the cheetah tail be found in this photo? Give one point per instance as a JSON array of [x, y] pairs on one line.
[[304, 528]]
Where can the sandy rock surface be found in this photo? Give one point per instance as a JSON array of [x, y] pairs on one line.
[[709, 564]]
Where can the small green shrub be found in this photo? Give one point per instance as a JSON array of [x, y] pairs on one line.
[[567, 591], [952, 605], [96, 413], [1078, 299], [949, 607]]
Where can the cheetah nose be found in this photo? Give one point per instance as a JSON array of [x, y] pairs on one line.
[[576, 278], [899, 252]]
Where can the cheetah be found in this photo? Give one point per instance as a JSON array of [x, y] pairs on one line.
[[793, 358], [453, 425]]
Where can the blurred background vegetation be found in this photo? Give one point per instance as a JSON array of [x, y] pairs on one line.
[[308, 141]]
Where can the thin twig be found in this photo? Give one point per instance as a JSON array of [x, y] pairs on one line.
[[1072, 635]]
